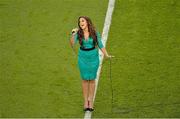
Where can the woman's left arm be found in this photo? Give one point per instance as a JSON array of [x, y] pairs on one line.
[[101, 46], [105, 53]]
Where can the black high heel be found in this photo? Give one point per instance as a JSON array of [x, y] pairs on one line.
[[91, 109], [86, 109]]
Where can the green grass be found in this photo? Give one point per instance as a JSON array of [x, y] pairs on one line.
[[145, 73], [38, 71]]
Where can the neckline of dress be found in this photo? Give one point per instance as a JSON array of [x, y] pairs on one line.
[[86, 39]]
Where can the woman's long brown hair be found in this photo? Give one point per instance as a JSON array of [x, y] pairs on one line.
[[91, 29]]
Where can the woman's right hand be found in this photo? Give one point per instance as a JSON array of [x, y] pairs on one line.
[[74, 31]]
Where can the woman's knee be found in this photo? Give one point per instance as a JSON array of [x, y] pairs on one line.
[[92, 81], [85, 81]]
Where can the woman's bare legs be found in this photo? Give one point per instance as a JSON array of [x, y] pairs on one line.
[[85, 88], [91, 92]]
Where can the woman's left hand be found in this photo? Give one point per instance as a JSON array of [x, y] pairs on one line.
[[109, 56]]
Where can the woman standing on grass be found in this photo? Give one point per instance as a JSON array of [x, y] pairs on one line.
[[88, 57]]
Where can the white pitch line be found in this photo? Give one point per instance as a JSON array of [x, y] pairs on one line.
[[107, 24]]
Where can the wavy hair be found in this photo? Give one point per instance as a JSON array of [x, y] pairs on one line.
[[91, 30]]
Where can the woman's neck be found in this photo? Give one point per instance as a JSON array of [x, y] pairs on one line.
[[85, 30]]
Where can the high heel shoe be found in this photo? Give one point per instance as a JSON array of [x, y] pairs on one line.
[[91, 109], [86, 109]]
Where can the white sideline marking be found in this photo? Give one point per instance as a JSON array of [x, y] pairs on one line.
[[107, 24]]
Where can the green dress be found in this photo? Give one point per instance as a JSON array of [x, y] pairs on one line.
[[88, 61]]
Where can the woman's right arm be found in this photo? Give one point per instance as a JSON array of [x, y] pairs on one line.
[[72, 41], [73, 37]]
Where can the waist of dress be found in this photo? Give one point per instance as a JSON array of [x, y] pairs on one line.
[[87, 49]]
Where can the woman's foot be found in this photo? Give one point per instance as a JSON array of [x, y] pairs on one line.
[[91, 109], [86, 106], [90, 106], [86, 109]]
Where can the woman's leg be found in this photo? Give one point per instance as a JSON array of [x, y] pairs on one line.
[[91, 92], [85, 88]]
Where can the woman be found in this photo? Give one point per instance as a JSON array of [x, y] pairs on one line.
[[88, 57]]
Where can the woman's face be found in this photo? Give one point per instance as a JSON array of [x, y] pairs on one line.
[[83, 23]]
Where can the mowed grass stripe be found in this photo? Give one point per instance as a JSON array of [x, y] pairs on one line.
[[38, 72], [145, 72]]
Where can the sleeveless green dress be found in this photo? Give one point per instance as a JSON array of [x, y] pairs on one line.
[[88, 61]]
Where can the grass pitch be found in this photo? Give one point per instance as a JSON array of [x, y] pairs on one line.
[[38, 71], [145, 72]]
